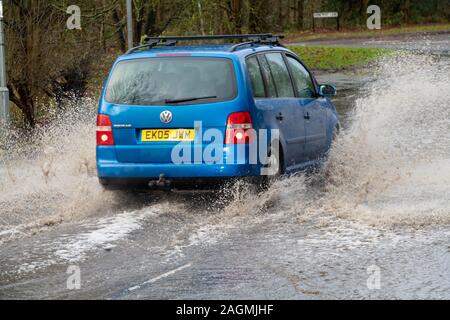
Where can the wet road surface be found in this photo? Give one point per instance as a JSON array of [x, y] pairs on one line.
[[433, 42], [373, 224]]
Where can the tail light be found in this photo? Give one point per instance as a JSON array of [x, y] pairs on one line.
[[104, 131], [239, 128]]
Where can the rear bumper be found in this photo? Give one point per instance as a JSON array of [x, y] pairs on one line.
[[109, 168], [182, 171]]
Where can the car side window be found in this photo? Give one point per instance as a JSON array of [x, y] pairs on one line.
[[302, 79], [270, 83], [256, 78], [280, 75]]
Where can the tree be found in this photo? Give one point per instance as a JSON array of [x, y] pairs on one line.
[[45, 60], [48, 63], [300, 10], [258, 12]]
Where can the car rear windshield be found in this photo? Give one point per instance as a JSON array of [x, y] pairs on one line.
[[170, 80]]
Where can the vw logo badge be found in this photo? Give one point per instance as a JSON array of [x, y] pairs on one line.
[[165, 116]]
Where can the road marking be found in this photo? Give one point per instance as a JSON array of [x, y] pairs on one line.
[[162, 276]]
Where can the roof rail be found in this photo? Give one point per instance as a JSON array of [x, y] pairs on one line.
[[250, 39], [271, 40], [151, 44]]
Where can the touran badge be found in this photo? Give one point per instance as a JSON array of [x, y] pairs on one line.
[[165, 116]]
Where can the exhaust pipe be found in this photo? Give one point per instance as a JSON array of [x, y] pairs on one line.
[[162, 182]]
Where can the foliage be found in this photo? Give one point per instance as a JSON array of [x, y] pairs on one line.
[[48, 64], [337, 58]]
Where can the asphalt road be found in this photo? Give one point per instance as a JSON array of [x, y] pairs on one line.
[[428, 42], [383, 233], [247, 252]]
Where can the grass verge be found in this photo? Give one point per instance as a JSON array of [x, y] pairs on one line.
[[309, 35], [332, 58]]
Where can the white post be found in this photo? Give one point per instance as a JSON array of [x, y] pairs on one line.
[[130, 24], [200, 12], [4, 93]]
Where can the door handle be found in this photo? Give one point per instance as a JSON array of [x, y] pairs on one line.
[[280, 117], [307, 116]]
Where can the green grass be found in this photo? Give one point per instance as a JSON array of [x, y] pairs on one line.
[[384, 31], [327, 58]]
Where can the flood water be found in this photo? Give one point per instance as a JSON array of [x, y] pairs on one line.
[[374, 223]]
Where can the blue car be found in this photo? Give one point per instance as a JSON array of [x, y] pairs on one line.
[[173, 116]]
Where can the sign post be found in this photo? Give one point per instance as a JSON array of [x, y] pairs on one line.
[[4, 93], [321, 15], [130, 24]]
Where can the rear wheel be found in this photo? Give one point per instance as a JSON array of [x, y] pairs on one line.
[[335, 134], [274, 167], [108, 186], [274, 164], [104, 183], [118, 185]]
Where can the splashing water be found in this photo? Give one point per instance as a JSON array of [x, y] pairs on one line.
[[50, 177], [389, 167], [392, 165]]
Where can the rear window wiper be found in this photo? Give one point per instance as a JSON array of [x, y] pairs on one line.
[[170, 101]]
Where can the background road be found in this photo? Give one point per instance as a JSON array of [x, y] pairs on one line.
[[431, 42]]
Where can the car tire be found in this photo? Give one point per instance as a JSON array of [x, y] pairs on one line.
[[106, 185], [111, 185], [275, 161], [336, 132]]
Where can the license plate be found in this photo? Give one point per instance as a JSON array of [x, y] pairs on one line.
[[154, 135]]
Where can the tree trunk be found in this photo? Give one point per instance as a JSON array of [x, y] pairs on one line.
[[138, 23], [150, 23], [24, 102], [102, 29], [406, 11], [300, 10], [257, 16], [280, 15], [363, 12], [236, 7], [120, 31]]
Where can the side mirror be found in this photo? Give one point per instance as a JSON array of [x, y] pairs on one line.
[[327, 90]]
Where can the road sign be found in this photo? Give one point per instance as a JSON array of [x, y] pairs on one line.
[[319, 15]]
